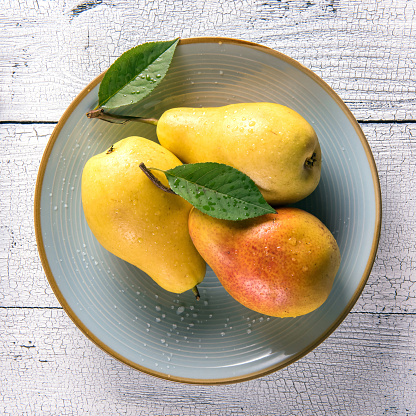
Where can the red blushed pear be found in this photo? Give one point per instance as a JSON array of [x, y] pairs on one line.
[[281, 264]]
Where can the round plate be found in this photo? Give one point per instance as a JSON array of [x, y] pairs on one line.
[[215, 340]]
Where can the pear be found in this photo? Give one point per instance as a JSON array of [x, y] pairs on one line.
[[137, 221], [271, 143], [281, 264]]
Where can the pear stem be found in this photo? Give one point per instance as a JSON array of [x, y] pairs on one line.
[[196, 292], [155, 180], [117, 119]]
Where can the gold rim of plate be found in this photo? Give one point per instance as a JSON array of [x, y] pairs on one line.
[[300, 354]]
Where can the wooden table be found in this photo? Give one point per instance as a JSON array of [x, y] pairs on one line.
[[366, 51]]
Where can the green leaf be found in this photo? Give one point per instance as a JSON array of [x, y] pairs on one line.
[[218, 190], [135, 74]]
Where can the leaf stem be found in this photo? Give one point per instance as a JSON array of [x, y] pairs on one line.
[[117, 119], [153, 178]]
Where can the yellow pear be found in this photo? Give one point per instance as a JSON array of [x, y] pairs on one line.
[[137, 221], [271, 143], [281, 264]]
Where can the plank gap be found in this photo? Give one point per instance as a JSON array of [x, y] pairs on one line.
[[387, 121], [352, 312]]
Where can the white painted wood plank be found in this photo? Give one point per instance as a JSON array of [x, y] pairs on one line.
[[364, 50], [22, 279], [391, 286], [51, 50], [367, 367]]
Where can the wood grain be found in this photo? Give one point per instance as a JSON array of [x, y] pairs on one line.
[[22, 280], [367, 367], [391, 287], [364, 50]]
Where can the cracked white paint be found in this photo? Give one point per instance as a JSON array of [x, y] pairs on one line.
[[364, 50]]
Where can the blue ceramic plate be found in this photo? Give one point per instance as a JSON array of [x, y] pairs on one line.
[[215, 340]]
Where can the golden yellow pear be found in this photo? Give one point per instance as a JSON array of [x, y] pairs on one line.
[[281, 264], [137, 221], [271, 143]]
